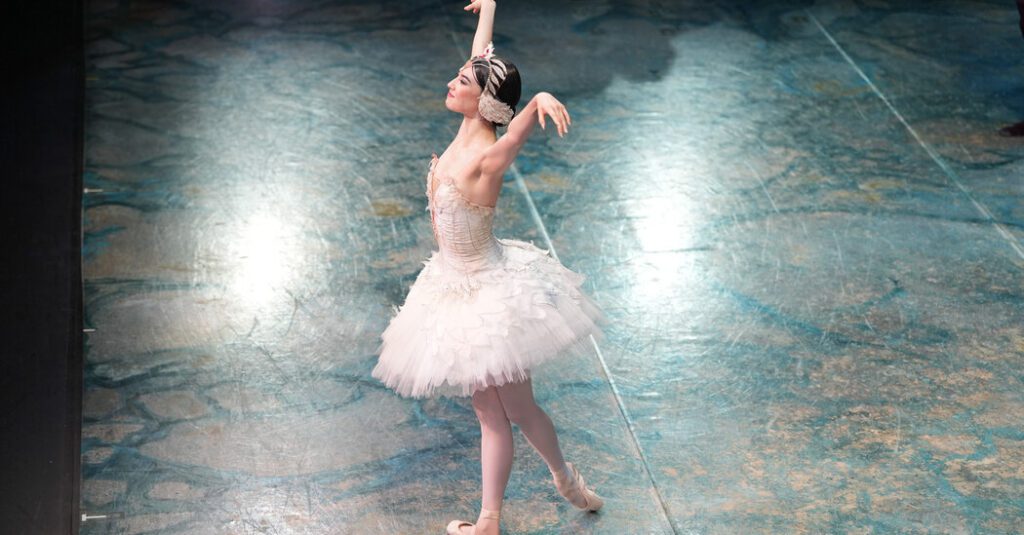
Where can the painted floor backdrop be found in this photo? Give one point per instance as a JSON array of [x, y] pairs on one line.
[[799, 217]]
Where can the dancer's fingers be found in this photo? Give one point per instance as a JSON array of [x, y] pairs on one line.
[[562, 126], [540, 118]]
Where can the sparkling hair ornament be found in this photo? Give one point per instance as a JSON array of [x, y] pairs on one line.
[[490, 107]]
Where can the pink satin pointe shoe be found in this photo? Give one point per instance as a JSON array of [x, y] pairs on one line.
[[572, 486], [455, 525]]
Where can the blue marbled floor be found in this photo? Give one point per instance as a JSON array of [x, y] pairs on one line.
[[799, 217]]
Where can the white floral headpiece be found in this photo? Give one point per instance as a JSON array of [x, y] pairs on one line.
[[490, 107], [488, 51]]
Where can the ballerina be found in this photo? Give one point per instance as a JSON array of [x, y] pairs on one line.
[[484, 311]]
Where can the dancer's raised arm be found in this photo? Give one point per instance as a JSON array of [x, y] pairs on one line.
[[484, 26], [499, 156]]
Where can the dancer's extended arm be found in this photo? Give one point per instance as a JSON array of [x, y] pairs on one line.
[[484, 26], [499, 156]]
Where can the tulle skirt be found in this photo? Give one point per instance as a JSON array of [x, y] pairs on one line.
[[459, 332]]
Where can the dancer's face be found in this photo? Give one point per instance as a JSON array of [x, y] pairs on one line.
[[463, 91]]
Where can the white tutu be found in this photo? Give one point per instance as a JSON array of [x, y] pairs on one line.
[[483, 311]]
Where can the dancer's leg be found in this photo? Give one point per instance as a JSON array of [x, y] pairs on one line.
[[522, 410], [496, 453]]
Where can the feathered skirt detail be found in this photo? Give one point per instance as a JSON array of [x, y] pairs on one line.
[[459, 331]]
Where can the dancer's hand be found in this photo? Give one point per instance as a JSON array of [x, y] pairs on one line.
[[475, 5], [548, 104]]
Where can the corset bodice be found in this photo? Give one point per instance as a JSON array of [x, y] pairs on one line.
[[463, 229]]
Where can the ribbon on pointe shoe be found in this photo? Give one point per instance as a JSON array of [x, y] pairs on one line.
[[571, 486], [455, 526]]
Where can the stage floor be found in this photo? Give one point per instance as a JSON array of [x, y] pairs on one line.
[[800, 219]]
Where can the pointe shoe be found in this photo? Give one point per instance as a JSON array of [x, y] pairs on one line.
[[455, 525], [573, 488]]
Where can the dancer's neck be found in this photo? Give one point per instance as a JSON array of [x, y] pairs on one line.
[[475, 130]]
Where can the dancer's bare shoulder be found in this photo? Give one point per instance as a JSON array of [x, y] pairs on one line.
[[462, 165]]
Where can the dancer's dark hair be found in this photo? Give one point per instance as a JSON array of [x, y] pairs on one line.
[[509, 88]]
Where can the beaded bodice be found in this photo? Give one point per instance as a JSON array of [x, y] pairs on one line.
[[463, 229]]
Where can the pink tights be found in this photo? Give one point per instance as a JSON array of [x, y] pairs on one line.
[[497, 407]]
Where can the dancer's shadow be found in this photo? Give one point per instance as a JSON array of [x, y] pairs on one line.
[[581, 47]]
